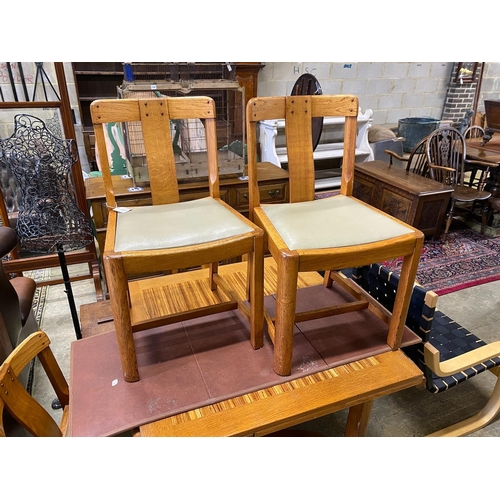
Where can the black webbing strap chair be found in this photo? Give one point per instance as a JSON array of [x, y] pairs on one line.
[[449, 353]]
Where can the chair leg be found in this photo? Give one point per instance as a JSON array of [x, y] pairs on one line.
[[403, 295], [484, 216], [213, 268], [118, 294], [255, 292], [449, 218], [478, 421], [288, 271]]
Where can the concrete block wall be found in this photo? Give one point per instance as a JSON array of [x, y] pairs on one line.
[[393, 90]]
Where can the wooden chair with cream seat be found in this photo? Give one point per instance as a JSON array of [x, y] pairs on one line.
[[172, 234], [328, 234], [18, 402]]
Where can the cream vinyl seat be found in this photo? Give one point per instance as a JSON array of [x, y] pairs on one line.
[[328, 234], [172, 234]]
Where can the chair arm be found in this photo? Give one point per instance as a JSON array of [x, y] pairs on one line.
[[459, 363], [439, 167], [392, 153], [482, 163]]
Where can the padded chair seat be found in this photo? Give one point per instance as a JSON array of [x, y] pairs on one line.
[[302, 225], [25, 289], [176, 225]]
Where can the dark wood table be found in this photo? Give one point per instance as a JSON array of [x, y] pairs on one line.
[[489, 153], [409, 197]]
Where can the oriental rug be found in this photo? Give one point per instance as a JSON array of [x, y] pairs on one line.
[[464, 260]]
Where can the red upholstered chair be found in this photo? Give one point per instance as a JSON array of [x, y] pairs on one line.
[[16, 313]]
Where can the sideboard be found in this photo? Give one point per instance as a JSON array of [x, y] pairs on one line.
[[409, 197], [273, 187]]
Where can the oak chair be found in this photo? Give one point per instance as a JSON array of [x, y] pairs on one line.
[[173, 234], [327, 234], [446, 151], [15, 399]]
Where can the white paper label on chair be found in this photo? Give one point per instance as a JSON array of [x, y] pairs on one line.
[[122, 210], [135, 189]]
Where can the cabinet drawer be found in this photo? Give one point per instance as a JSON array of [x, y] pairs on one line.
[[269, 193], [131, 203], [196, 194]]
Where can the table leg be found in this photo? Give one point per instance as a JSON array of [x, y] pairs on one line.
[[357, 420]]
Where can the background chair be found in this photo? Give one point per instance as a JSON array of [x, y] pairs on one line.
[[416, 162], [474, 134], [15, 399], [17, 317], [449, 354], [170, 234], [326, 234], [446, 155]]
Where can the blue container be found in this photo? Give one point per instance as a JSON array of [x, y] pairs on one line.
[[414, 130]]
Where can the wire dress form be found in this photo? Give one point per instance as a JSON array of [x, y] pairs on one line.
[[49, 218]]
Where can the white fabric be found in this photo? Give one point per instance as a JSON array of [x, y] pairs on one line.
[[333, 222], [176, 225]]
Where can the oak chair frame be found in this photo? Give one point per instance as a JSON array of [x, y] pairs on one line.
[[298, 111], [18, 402], [155, 116]]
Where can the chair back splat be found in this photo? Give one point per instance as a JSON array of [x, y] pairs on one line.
[[171, 234], [322, 235]]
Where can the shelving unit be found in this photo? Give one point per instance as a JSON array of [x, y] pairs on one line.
[[99, 80]]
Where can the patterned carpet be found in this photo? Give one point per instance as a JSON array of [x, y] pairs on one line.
[[466, 259], [39, 301]]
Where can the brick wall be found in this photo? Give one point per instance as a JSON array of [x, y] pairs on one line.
[[460, 96]]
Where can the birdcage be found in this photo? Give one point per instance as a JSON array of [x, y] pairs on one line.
[[161, 72], [188, 136]]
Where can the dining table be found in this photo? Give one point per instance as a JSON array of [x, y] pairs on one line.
[[488, 153]]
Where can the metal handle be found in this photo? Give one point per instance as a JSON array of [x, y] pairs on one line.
[[273, 193]]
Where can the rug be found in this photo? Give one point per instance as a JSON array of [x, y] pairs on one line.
[[39, 301], [464, 260]]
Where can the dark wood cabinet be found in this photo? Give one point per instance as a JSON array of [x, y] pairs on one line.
[[409, 197]]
